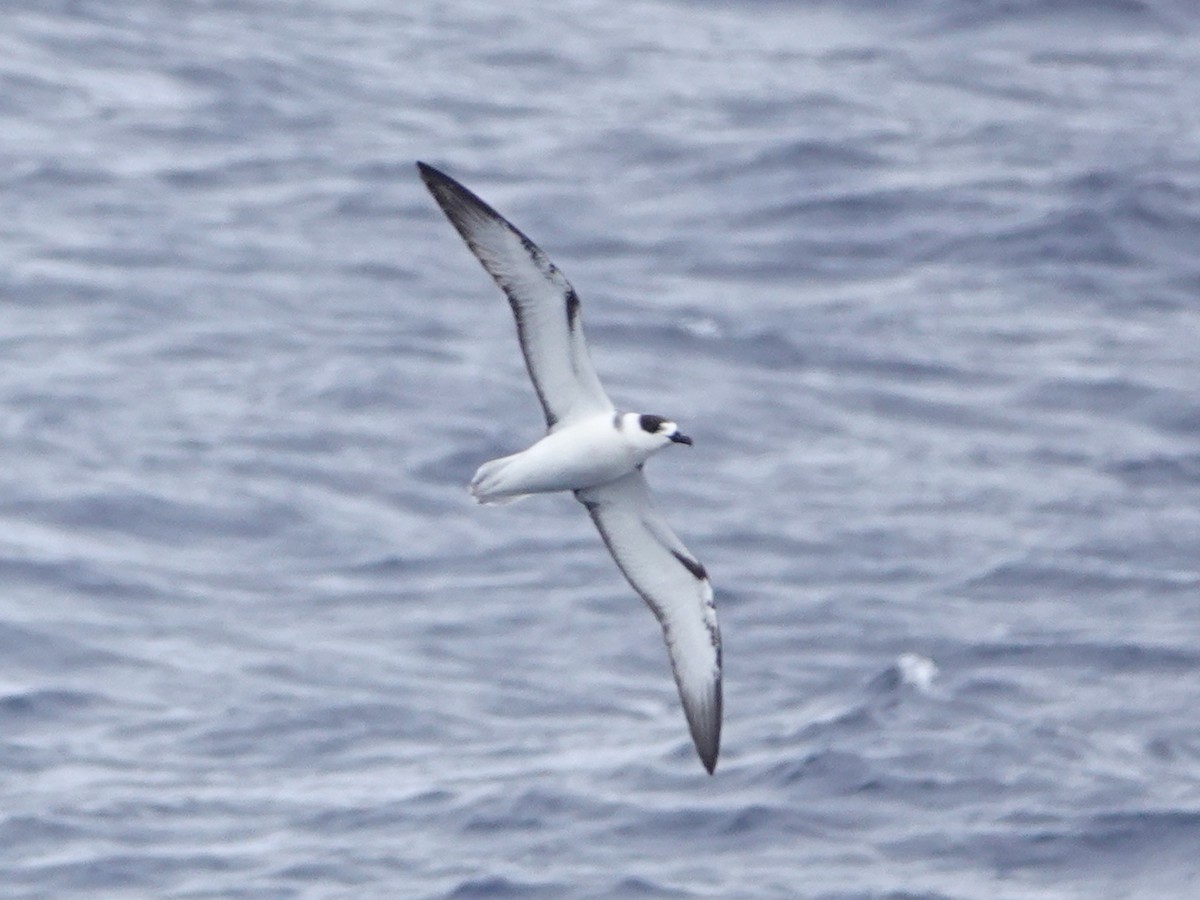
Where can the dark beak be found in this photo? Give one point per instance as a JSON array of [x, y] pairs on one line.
[[681, 439]]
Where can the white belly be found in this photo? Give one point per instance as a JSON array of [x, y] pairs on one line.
[[589, 453]]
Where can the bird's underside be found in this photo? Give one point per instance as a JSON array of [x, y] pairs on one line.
[[607, 447]]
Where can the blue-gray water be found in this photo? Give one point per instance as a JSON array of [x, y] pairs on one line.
[[923, 286]]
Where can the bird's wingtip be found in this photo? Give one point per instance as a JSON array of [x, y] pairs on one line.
[[708, 750], [704, 722], [428, 173]]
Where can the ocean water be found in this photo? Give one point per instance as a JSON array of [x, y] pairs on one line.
[[924, 286]]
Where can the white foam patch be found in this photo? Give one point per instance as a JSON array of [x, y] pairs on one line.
[[916, 670]]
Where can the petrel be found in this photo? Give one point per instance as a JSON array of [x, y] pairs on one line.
[[595, 451]]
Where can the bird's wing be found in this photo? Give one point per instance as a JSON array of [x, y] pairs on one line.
[[544, 303], [676, 588]]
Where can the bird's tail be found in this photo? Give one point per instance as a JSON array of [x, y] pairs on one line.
[[489, 484]]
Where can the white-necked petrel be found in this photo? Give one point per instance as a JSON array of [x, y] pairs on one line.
[[595, 451]]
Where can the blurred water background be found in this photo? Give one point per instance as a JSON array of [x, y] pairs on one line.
[[923, 284]]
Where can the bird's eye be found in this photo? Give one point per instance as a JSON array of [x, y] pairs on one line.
[[651, 424]]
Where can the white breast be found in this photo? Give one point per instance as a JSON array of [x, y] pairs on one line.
[[590, 452]]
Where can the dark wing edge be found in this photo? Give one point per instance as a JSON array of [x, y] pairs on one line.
[[676, 588], [531, 282]]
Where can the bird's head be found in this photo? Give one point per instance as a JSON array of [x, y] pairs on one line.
[[655, 430]]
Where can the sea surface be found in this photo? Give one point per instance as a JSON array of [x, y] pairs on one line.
[[923, 282]]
